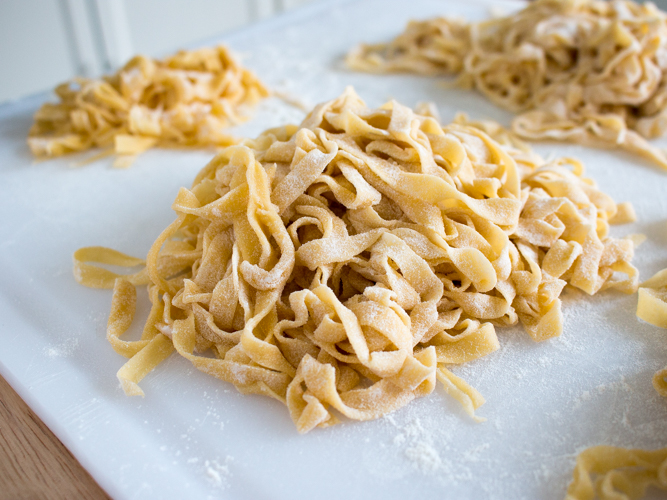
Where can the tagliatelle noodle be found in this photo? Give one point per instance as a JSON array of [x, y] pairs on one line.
[[585, 71], [611, 473], [652, 308], [187, 99], [346, 264]]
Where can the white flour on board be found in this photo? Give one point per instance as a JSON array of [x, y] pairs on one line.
[[63, 349], [218, 473], [418, 448]]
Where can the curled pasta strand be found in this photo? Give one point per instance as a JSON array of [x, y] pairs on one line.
[[652, 308], [622, 473]]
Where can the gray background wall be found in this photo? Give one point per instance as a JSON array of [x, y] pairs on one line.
[[45, 42]]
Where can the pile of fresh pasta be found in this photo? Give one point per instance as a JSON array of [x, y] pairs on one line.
[[586, 71], [344, 265], [187, 99]]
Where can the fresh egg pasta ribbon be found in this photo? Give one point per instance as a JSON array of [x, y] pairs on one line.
[[346, 265], [652, 308], [585, 71], [612, 473], [188, 99]]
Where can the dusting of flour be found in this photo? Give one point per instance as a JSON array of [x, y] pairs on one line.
[[218, 473], [418, 446], [62, 350]]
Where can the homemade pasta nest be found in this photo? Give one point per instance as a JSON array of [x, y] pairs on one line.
[[346, 263], [188, 100], [586, 71]]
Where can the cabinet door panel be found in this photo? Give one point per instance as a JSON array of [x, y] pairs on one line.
[[35, 51], [158, 27]]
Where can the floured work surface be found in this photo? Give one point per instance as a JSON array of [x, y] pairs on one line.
[[193, 436]]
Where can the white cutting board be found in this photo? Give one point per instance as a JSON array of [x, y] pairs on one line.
[[193, 436]]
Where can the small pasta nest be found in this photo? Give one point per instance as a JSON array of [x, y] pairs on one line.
[[344, 265], [187, 99]]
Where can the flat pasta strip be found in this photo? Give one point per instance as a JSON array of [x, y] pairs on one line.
[[344, 266], [142, 363], [612, 473], [652, 308]]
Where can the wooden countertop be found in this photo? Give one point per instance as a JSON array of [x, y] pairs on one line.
[[34, 464]]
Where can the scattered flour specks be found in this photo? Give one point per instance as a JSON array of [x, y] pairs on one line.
[[63, 349], [621, 385], [474, 454], [418, 444], [424, 456], [217, 473]]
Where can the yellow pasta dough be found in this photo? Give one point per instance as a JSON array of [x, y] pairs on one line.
[[652, 308], [586, 71], [347, 263], [187, 99], [611, 473]]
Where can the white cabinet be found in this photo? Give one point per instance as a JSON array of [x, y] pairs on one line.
[[35, 47], [157, 27]]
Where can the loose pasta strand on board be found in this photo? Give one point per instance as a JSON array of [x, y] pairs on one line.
[[652, 308]]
